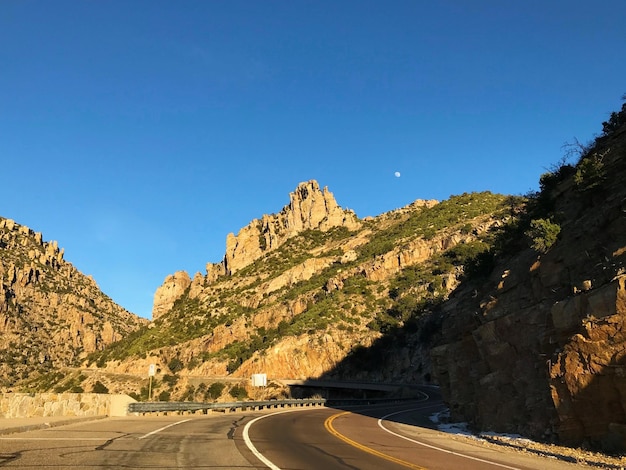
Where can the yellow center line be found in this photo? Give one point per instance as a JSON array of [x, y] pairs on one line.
[[328, 424]]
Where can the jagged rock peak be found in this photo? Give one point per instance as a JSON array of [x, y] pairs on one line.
[[309, 208], [172, 288]]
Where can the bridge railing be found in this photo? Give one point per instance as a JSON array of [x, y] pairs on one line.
[[164, 407]]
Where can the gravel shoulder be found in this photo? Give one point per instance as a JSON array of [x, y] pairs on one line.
[[565, 454]]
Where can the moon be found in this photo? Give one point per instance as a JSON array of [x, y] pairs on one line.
[[397, 174]]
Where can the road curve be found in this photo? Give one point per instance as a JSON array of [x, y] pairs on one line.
[[376, 437], [367, 438]]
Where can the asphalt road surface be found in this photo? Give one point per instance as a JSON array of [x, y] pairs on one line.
[[378, 437]]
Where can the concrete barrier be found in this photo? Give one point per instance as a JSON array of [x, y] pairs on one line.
[[28, 405]]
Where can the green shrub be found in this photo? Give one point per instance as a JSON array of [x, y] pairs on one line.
[[143, 393], [480, 266], [616, 120], [549, 181], [170, 380], [590, 172], [176, 365], [238, 392], [215, 390], [543, 234], [461, 253], [189, 394], [383, 322], [99, 387]]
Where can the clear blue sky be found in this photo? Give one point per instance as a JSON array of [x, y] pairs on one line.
[[138, 134]]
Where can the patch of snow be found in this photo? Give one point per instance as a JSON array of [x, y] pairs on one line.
[[506, 437], [456, 428], [441, 420]]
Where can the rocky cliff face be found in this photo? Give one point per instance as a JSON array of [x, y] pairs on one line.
[[50, 313], [172, 288], [539, 349]]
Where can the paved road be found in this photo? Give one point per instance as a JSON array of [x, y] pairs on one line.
[[130, 443], [382, 437], [376, 438]]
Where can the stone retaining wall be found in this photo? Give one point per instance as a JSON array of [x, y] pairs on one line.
[[26, 405]]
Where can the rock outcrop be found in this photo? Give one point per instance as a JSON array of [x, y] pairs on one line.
[[172, 288], [588, 374], [309, 209]]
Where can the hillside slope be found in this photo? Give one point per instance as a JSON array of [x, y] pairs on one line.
[[51, 315], [538, 347]]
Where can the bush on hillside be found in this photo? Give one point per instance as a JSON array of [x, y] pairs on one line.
[[590, 171], [215, 390], [615, 121], [543, 234], [99, 387], [170, 380], [238, 392], [175, 365]]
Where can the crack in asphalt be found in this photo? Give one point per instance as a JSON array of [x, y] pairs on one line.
[[231, 431]]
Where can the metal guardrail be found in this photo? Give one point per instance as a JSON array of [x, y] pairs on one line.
[[339, 402], [164, 407]]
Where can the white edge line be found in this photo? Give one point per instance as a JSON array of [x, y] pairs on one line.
[[380, 423], [52, 438], [163, 428], [250, 445], [86, 438]]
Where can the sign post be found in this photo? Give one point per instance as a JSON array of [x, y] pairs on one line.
[[151, 373]]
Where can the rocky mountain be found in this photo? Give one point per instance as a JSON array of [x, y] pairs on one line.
[[50, 314], [301, 290]]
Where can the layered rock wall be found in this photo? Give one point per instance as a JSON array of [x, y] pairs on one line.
[[588, 375], [539, 349]]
